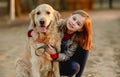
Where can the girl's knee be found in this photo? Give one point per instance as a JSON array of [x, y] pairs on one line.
[[75, 68]]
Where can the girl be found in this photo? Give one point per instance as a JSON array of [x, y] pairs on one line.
[[75, 45]]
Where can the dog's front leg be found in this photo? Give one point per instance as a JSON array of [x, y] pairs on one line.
[[35, 68], [56, 69]]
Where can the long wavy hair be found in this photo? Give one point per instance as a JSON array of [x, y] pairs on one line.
[[84, 37]]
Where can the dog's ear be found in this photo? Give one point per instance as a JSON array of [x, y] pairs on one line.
[[32, 21], [57, 16]]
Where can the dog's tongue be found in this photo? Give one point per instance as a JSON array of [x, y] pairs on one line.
[[42, 29]]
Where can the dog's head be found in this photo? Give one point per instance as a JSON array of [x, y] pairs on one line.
[[42, 17]]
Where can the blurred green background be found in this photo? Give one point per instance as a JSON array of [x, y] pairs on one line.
[[23, 7]]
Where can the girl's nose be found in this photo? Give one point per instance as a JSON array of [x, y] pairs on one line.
[[73, 22]]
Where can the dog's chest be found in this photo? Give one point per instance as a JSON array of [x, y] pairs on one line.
[[44, 59]]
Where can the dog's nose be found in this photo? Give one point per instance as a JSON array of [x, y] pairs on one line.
[[42, 22]]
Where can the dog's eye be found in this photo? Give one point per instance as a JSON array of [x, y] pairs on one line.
[[38, 13], [48, 12]]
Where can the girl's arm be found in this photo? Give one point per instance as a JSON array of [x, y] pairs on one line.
[[33, 34], [62, 56], [67, 53], [30, 29]]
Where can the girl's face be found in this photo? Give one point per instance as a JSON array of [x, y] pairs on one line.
[[75, 23]]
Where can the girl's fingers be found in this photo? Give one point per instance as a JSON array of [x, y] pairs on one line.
[[50, 46], [51, 50]]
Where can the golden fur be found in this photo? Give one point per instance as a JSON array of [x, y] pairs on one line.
[[31, 65]]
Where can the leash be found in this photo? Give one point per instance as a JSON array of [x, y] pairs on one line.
[[51, 72], [45, 47]]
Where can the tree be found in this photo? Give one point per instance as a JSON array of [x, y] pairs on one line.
[[12, 9], [18, 8], [110, 4], [14, 6]]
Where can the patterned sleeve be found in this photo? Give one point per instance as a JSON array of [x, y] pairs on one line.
[[60, 22], [67, 53]]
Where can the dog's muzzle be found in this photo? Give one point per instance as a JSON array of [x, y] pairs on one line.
[[43, 28], [42, 23]]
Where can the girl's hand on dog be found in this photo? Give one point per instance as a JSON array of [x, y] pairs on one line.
[[50, 50], [35, 36]]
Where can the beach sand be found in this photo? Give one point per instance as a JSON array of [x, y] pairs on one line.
[[103, 59]]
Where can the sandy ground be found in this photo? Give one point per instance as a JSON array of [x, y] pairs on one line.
[[104, 58]]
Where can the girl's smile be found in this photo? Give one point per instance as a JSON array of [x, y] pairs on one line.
[[70, 24]]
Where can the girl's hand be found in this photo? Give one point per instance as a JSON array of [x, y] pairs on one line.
[[34, 35], [50, 50]]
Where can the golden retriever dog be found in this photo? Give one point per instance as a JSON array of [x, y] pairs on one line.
[[36, 62]]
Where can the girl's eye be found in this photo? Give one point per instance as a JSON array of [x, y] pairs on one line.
[[74, 18], [38, 13], [78, 23]]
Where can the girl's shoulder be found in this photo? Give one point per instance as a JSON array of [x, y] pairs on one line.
[[61, 22]]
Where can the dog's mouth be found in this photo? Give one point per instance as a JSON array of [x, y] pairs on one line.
[[44, 28]]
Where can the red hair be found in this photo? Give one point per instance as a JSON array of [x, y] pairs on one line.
[[84, 38]]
